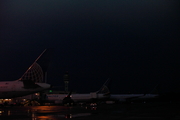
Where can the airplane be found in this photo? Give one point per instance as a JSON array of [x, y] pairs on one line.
[[102, 94], [135, 97], [30, 82]]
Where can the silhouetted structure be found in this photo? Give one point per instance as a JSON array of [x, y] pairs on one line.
[[66, 81]]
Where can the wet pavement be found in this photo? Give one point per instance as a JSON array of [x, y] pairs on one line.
[[136, 111]]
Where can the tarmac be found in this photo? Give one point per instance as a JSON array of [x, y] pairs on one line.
[[133, 111]]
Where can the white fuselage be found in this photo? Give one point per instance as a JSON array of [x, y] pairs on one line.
[[11, 89], [75, 97], [124, 97]]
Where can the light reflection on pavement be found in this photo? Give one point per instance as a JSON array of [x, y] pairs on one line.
[[56, 112], [43, 112], [148, 111]]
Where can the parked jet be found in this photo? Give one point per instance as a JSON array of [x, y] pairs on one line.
[[101, 94], [27, 83], [132, 97]]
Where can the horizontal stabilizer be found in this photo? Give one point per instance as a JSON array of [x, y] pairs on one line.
[[28, 84]]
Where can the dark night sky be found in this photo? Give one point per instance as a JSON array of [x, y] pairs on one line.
[[134, 42]]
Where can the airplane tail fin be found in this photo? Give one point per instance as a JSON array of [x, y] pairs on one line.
[[69, 94], [105, 88], [68, 99], [36, 72]]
